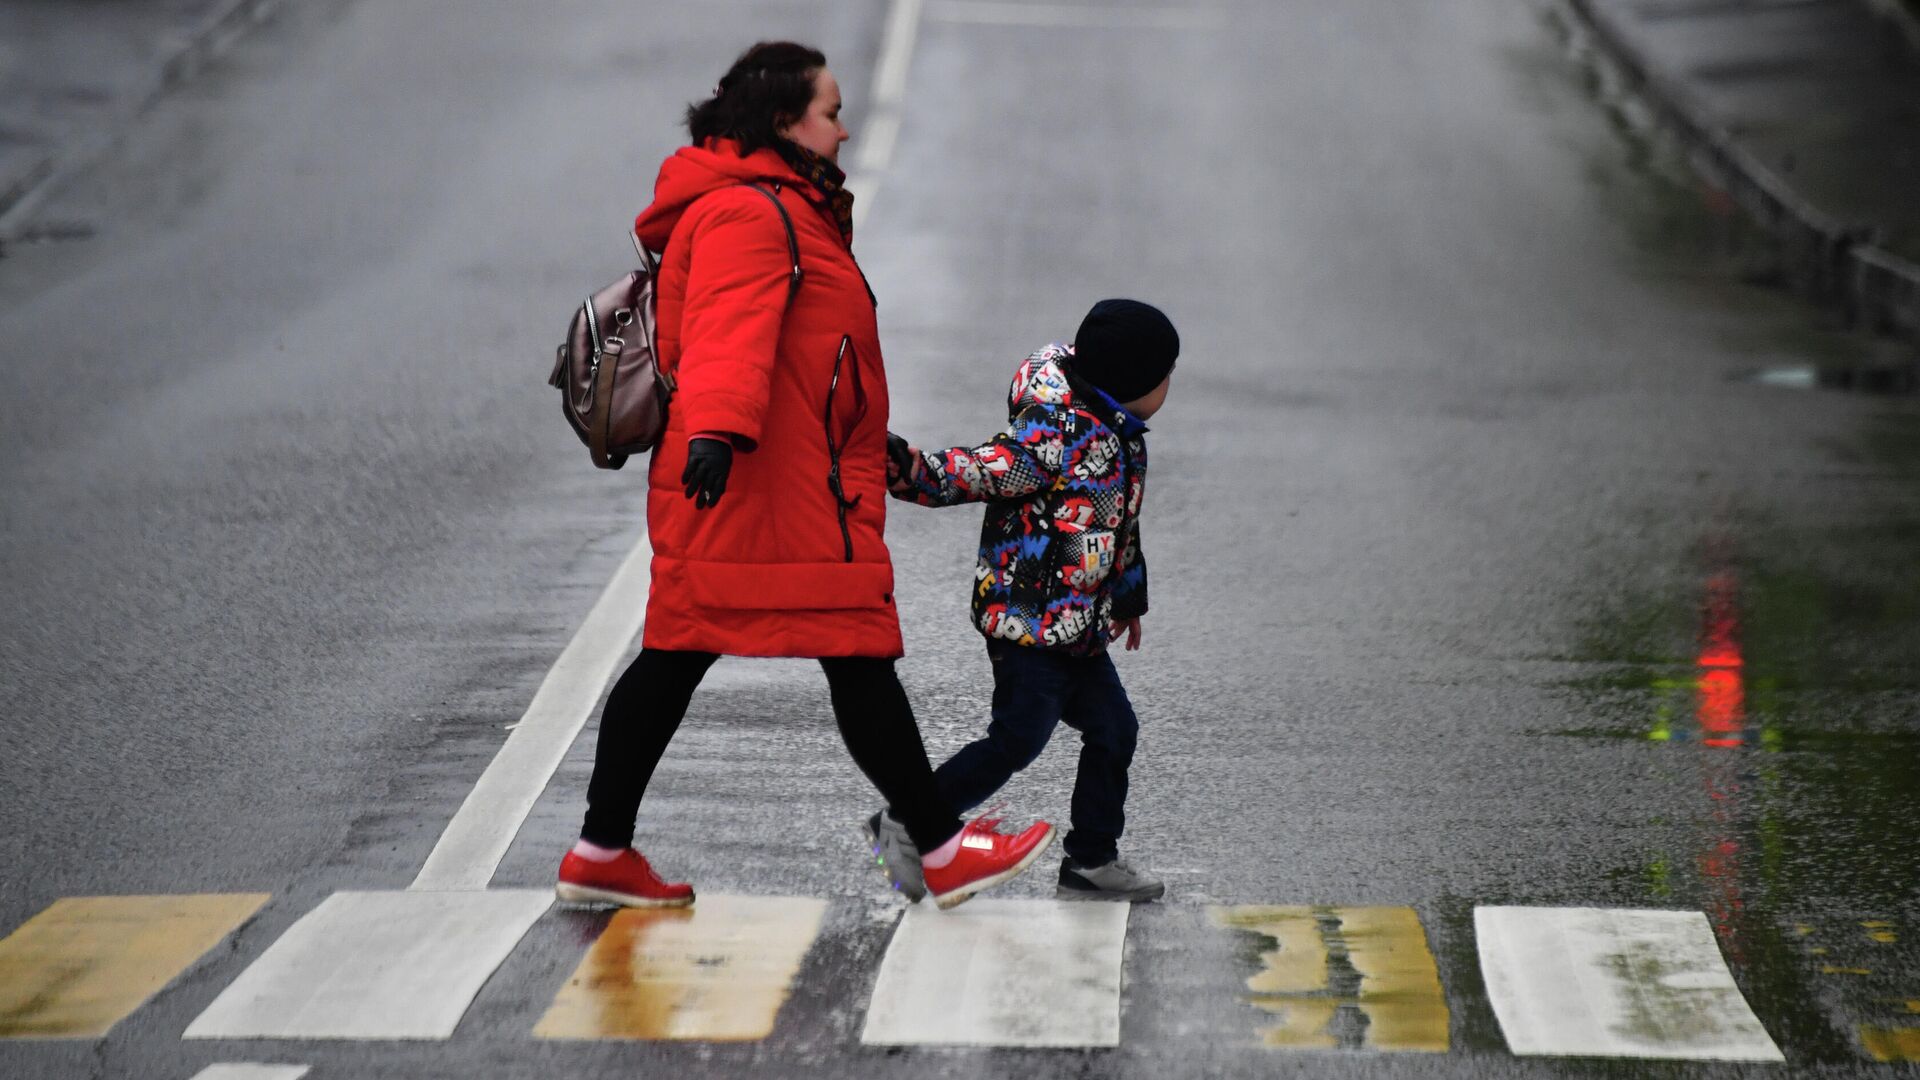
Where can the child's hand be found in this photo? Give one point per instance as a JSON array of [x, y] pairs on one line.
[[1131, 628], [899, 459], [903, 464]]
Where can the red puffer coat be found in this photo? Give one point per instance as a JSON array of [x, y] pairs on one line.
[[781, 566]]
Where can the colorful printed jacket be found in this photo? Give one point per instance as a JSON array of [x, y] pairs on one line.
[[1060, 560]]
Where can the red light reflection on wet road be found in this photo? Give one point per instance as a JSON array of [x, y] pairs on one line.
[[1722, 704], [1721, 710]]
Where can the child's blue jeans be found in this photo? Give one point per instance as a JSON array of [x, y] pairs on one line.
[[1033, 690]]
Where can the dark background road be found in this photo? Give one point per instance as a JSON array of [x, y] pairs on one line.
[[1459, 456]]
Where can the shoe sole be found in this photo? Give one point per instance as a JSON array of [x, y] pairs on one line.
[[965, 892], [1137, 896], [913, 896], [585, 894]]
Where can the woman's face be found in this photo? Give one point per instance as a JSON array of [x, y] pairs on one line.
[[819, 129]]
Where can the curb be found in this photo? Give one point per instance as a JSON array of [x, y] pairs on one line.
[[1832, 261], [196, 48]]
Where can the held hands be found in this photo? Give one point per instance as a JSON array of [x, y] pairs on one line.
[[902, 464], [708, 463], [1131, 628]]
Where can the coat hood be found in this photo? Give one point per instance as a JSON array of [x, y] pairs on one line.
[[694, 171], [1046, 378], [1041, 379]]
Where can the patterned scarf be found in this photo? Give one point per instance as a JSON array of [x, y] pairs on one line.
[[826, 177]]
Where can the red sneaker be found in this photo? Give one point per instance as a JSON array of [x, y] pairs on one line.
[[627, 881], [986, 858]]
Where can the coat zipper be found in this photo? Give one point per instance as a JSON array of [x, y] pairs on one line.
[[841, 503]]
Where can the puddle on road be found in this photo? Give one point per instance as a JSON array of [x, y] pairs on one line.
[[1784, 691]]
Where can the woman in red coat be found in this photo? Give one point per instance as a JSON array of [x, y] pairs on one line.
[[766, 501]]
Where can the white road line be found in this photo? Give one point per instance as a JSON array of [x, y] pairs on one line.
[[863, 190], [889, 86], [877, 141], [1003, 13], [375, 965], [1001, 973], [250, 1070], [874, 149], [475, 840], [896, 54], [1615, 983]]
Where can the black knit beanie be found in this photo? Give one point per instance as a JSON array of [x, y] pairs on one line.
[[1125, 347]]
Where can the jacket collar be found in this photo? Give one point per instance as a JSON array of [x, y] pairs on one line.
[[1101, 404]]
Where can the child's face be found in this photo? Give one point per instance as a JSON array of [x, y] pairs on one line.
[[1145, 407]]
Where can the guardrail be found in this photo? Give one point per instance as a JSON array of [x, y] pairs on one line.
[[1829, 260]]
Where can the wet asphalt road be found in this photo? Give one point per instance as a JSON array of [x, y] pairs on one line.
[[1454, 486]]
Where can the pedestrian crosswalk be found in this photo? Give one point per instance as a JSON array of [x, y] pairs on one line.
[[993, 973]]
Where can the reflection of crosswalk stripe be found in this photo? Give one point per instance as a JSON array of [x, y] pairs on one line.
[[1002, 973], [249, 1070], [1370, 962], [1615, 983], [717, 971], [375, 965], [85, 963]]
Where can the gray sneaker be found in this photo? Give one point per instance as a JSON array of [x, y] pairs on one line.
[[893, 849], [1112, 881]]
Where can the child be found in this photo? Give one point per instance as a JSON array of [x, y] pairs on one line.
[[1060, 575]]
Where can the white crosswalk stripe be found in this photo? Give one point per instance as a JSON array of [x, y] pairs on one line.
[[1002, 973], [375, 965], [251, 1070], [1615, 983]]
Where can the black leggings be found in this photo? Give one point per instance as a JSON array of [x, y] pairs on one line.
[[876, 723]]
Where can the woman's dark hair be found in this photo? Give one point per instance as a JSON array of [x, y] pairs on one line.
[[769, 87]]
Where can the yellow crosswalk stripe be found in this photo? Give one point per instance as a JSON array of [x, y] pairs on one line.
[[1399, 982], [1891, 1043], [85, 963], [1370, 960], [718, 971]]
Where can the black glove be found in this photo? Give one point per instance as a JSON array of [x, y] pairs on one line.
[[899, 457], [708, 463]]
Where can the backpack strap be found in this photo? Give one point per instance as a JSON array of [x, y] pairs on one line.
[[667, 379], [793, 243]]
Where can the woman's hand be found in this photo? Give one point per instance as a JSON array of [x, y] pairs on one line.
[[708, 463], [1131, 628]]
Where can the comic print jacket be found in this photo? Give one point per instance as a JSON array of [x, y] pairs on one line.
[[1060, 561]]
